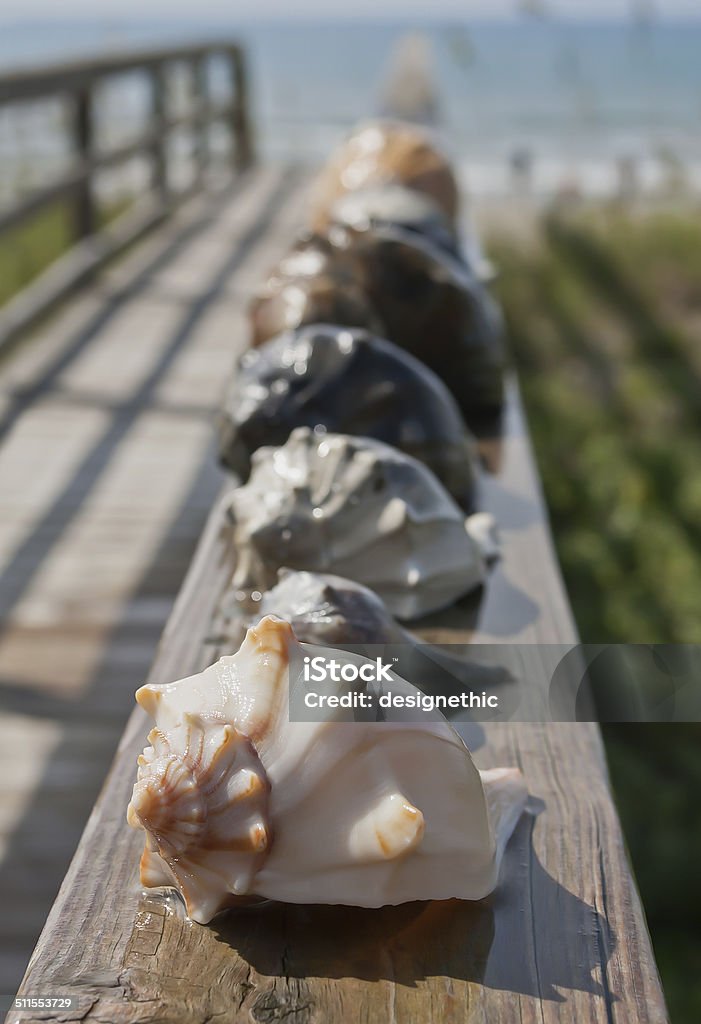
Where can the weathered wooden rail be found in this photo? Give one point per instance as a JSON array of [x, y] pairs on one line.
[[563, 938], [77, 83]]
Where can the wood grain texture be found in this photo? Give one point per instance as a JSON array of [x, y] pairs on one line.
[[562, 939]]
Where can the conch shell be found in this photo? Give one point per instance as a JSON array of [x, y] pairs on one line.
[[435, 306], [331, 611], [358, 508], [313, 283], [237, 801], [406, 289], [384, 152], [351, 383], [399, 207]]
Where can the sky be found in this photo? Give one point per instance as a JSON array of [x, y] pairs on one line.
[[233, 10]]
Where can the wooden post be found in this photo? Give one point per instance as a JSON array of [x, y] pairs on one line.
[[159, 152], [242, 143], [85, 214], [200, 129]]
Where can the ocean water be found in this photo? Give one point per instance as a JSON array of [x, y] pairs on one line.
[[578, 97]]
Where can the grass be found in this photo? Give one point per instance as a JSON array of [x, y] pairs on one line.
[[604, 316], [28, 249]]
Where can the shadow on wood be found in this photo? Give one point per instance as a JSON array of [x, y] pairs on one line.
[[489, 942]]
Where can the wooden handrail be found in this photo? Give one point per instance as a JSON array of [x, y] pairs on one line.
[[81, 172], [76, 81], [70, 76]]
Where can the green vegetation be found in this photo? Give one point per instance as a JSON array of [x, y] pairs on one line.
[[28, 249], [604, 315]]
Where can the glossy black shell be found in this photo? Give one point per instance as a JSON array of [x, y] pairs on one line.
[[348, 382]]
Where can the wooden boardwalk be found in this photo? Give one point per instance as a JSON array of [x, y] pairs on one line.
[[107, 473]]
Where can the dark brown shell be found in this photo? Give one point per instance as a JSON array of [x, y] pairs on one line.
[[406, 288], [314, 283]]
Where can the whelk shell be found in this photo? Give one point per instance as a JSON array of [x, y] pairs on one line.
[[406, 289], [382, 152], [351, 383], [357, 508], [238, 801]]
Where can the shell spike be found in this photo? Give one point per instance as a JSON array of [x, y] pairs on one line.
[[149, 697], [391, 829], [271, 635]]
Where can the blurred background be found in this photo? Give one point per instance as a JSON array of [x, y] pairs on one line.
[[576, 128]]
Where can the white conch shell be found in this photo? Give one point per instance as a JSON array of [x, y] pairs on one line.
[[358, 508], [363, 813]]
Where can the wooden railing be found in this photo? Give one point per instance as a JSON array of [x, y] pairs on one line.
[[563, 940], [76, 82]]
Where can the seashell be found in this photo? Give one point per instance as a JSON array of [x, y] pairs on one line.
[[350, 383], [383, 152], [417, 295], [436, 307], [314, 283], [399, 207], [202, 797], [239, 802], [331, 611], [358, 508]]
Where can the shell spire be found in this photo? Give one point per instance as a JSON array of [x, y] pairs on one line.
[[202, 797]]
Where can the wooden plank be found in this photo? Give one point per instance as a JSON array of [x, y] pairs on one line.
[[83, 260], [562, 939], [75, 267], [94, 248]]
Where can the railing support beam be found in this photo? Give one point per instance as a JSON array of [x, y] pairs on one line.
[[242, 142], [85, 220]]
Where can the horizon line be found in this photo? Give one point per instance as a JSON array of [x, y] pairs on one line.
[[428, 18]]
